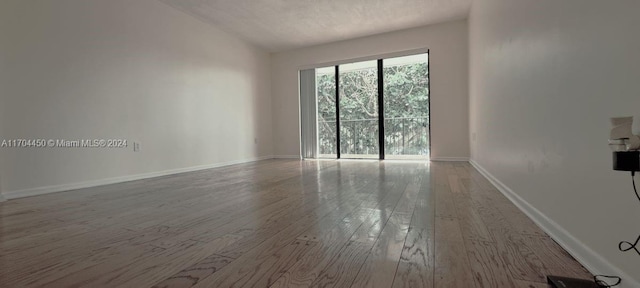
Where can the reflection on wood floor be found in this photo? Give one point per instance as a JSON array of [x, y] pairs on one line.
[[281, 223]]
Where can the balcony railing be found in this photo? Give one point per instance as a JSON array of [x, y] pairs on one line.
[[403, 136]]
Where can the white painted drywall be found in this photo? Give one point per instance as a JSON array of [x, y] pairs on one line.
[[279, 25], [3, 94], [545, 76], [138, 70], [449, 79]]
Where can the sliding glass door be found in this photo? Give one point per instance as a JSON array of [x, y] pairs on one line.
[[327, 125], [406, 107], [375, 109], [358, 96]]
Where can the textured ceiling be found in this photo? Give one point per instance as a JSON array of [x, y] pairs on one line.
[[278, 25]]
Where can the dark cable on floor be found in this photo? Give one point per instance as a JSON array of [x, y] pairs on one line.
[[625, 246], [603, 284], [629, 245]]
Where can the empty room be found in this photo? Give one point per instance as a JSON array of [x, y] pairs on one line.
[[283, 143]]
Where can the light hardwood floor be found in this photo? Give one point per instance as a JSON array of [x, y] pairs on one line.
[[281, 223]]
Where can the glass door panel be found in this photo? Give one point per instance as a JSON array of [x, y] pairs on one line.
[[358, 88], [326, 114], [406, 107]]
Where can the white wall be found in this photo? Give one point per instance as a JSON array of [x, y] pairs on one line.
[[449, 79], [137, 70], [3, 94], [545, 76]]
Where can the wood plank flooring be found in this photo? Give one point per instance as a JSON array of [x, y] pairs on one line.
[[281, 223]]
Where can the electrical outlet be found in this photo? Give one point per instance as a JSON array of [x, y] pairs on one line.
[[255, 140], [136, 146]]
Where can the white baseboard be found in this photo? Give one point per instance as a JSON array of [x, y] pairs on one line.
[[450, 159], [93, 183], [594, 262], [286, 157]]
